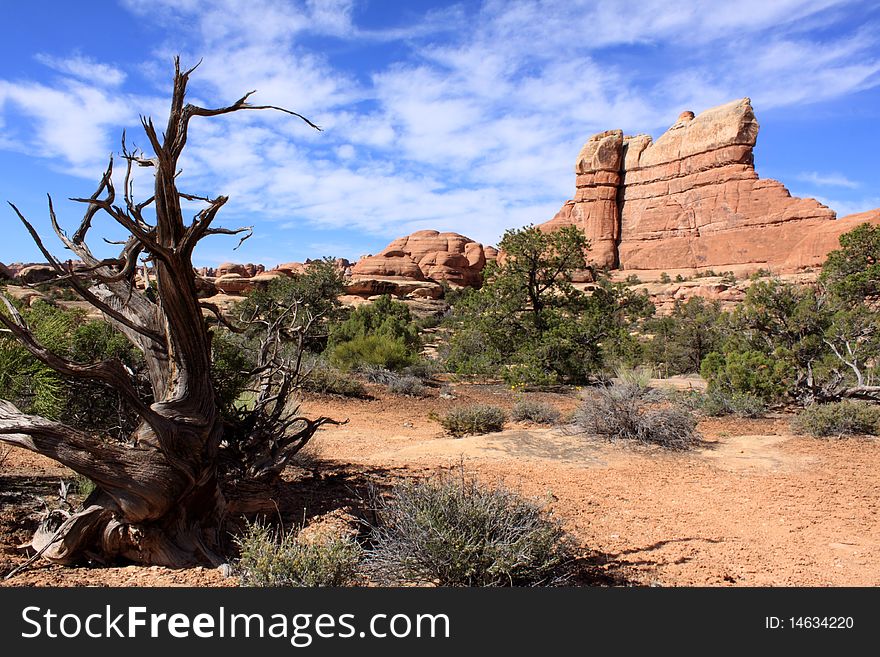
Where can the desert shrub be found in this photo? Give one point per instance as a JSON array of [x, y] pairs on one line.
[[838, 419], [456, 531], [746, 405], [713, 404], [382, 317], [409, 386], [83, 486], [530, 372], [423, 368], [664, 278], [328, 380], [268, 558], [691, 400], [230, 369], [635, 376], [469, 352], [629, 411], [376, 374], [529, 325], [381, 351], [749, 372], [681, 340], [473, 420], [529, 410], [309, 298], [36, 388], [742, 404], [380, 334]]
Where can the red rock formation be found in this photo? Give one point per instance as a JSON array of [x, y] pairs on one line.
[[290, 268], [427, 255], [398, 286], [690, 200], [811, 250], [5, 274], [33, 274], [234, 268], [594, 208]]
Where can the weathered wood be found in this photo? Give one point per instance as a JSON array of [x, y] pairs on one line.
[[160, 495]]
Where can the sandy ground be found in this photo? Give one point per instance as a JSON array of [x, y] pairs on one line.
[[754, 506]]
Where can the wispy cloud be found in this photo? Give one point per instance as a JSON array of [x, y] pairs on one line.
[[845, 207], [470, 122], [827, 179], [70, 124], [84, 68]]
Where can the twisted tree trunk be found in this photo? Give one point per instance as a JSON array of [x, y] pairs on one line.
[[161, 496]]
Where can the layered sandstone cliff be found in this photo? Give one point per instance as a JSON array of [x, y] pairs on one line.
[[692, 200]]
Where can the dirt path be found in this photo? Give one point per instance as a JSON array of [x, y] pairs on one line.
[[755, 506]]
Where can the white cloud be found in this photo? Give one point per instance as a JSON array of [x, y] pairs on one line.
[[477, 131], [844, 207], [70, 124], [475, 122], [827, 179], [85, 69]]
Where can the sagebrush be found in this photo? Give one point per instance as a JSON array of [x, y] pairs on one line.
[[409, 386], [271, 558], [331, 381], [474, 419], [528, 410], [630, 411], [843, 418], [716, 403], [456, 531]]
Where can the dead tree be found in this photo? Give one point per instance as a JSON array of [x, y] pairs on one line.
[[163, 495]]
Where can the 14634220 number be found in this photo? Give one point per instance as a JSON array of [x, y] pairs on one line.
[[821, 622]]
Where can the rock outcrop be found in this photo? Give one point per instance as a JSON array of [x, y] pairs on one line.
[[428, 255], [417, 264], [728, 291], [5, 274], [33, 274], [690, 200], [595, 208], [814, 246], [248, 270], [238, 279]]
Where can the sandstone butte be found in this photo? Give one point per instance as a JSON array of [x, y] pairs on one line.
[[692, 200]]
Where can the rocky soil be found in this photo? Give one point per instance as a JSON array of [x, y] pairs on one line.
[[754, 506]]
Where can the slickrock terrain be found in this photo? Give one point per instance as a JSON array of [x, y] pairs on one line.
[[693, 200]]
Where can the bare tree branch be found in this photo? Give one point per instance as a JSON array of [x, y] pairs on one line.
[[83, 291]]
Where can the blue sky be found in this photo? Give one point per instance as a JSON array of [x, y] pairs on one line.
[[463, 116]]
